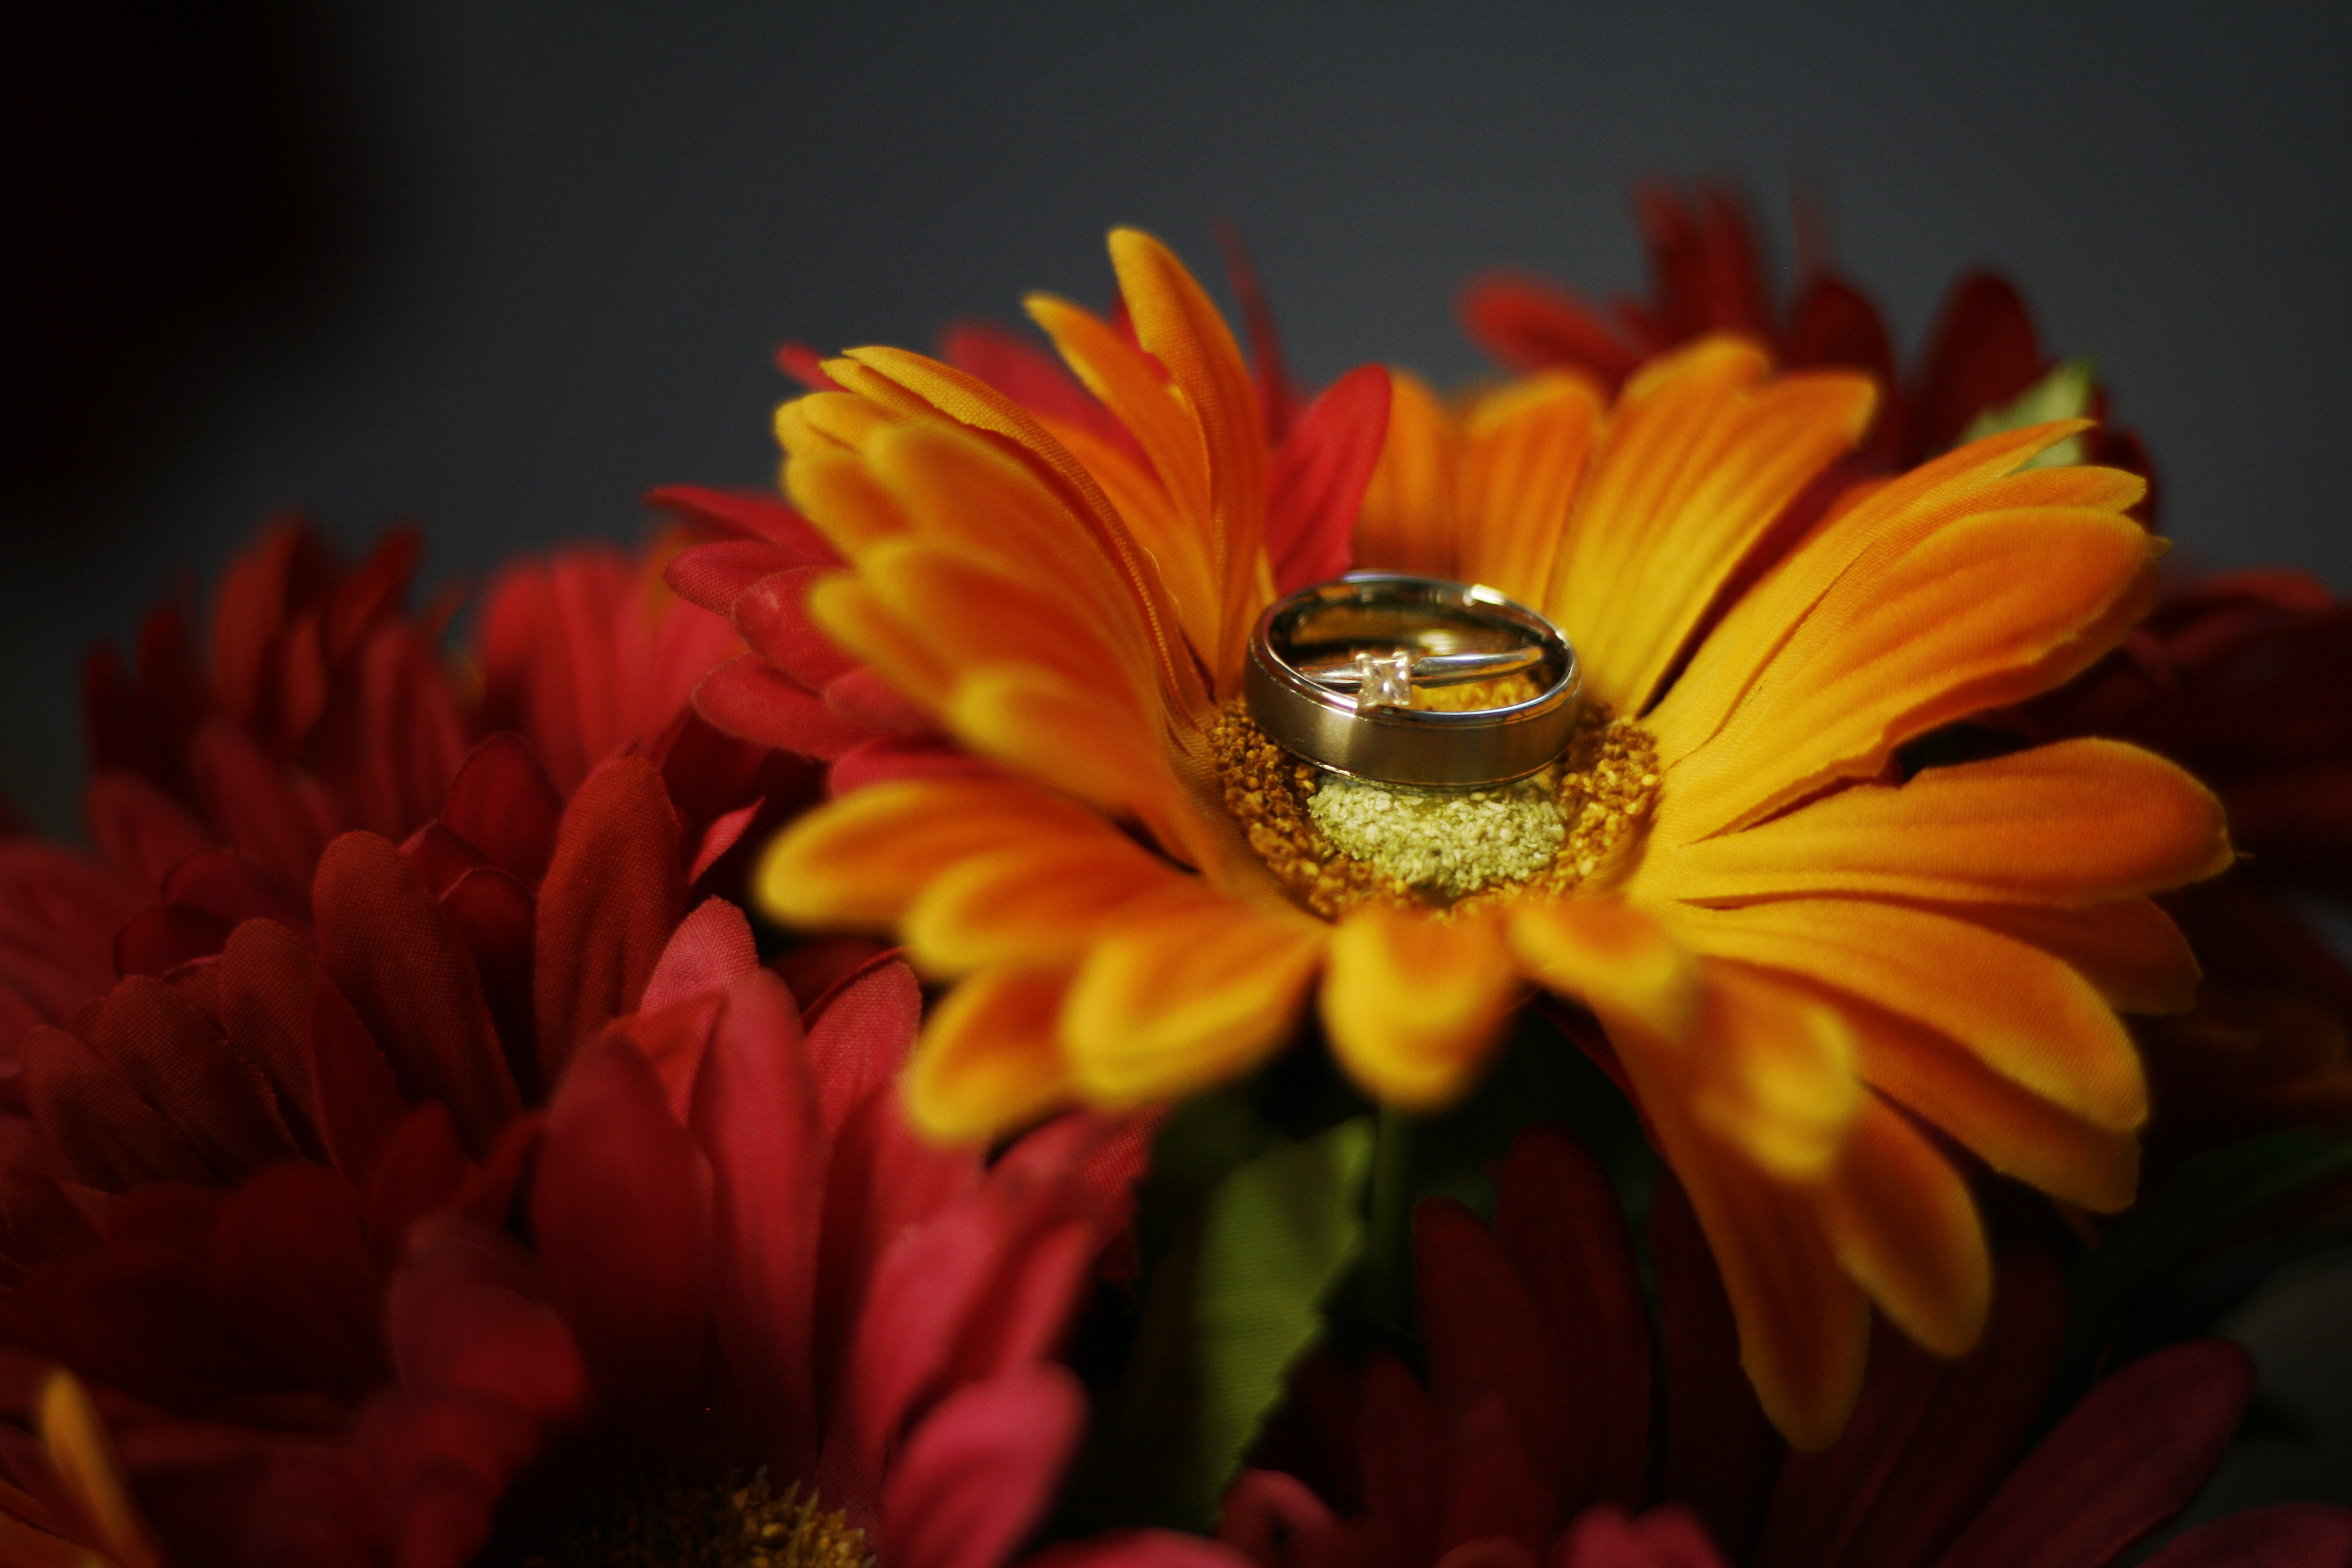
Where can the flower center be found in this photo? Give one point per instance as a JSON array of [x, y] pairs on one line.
[[1337, 842], [732, 1522]]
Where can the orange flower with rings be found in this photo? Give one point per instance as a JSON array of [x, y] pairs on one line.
[[1816, 975]]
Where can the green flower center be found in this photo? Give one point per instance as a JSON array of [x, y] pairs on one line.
[[1339, 842]]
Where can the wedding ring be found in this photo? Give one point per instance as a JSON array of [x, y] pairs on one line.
[[1333, 668]]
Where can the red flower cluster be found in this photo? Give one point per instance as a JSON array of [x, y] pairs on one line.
[[1532, 1440], [218, 783], [1707, 276]]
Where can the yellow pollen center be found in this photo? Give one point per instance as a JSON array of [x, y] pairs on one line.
[[732, 1522], [1337, 842]]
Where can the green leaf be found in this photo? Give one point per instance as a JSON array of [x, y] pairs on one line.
[[2064, 393], [1233, 1298], [1280, 1232]]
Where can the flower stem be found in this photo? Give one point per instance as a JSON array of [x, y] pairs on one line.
[[1387, 1265]]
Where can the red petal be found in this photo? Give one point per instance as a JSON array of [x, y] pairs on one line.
[[860, 1030], [1136, 1549], [503, 803], [177, 1060], [1720, 1450], [1529, 325], [390, 949], [224, 883], [747, 696], [1403, 1457], [1492, 1487], [464, 1312], [139, 827], [805, 365], [772, 615], [2123, 1461], [38, 1222], [2284, 1535], [290, 1261], [419, 1170], [711, 949], [888, 757], [372, 591], [1667, 1537], [143, 1318], [161, 937], [614, 892], [108, 1137], [622, 1205], [1929, 1440], [976, 1474], [1031, 377], [1557, 1216], [267, 977], [280, 821], [863, 697], [1486, 1340], [1317, 484], [714, 575], [1834, 323], [355, 1101], [745, 514], [441, 855], [755, 1115], [492, 915], [1981, 354]]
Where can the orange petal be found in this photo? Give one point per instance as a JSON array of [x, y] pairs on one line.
[[989, 1059], [1175, 539], [1133, 386], [2130, 950], [850, 507], [1992, 608], [924, 385], [2009, 1128], [1804, 1327], [829, 422], [2026, 1014], [1523, 455], [91, 1471], [1700, 454], [970, 616], [1054, 731], [2073, 823], [1903, 1225], [853, 615], [960, 491], [1041, 901], [1891, 516], [862, 859], [1773, 1072], [1177, 324], [1415, 1004], [22, 1546], [1610, 956], [1188, 998], [1408, 523]]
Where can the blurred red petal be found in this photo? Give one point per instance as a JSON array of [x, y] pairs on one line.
[[976, 1474], [622, 1208], [613, 893]]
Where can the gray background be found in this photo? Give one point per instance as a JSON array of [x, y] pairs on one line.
[[545, 251]]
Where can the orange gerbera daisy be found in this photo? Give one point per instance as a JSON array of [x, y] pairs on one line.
[[1798, 956]]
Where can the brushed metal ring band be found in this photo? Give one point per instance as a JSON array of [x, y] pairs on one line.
[[1381, 626]]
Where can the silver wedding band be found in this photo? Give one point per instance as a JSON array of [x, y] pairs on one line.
[[1331, 670]]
